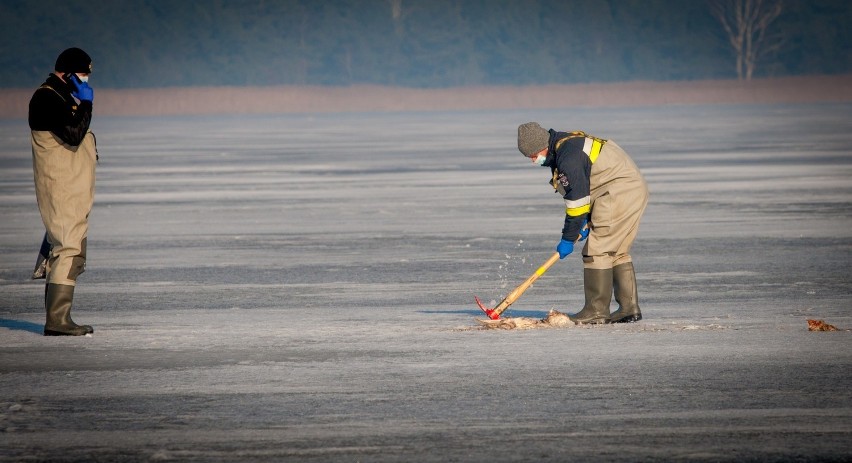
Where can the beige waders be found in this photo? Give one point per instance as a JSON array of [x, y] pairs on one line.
[[65, 187], [618, 198]]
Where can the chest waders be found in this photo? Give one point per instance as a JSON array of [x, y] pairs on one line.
[[64, 178], [618, 197]]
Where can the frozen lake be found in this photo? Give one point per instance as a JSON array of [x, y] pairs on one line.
[[300, 288]]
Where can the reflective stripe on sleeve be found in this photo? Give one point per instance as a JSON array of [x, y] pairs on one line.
[[592, 148], [578, 207]]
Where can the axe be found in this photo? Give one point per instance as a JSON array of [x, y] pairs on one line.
[[494, 313]]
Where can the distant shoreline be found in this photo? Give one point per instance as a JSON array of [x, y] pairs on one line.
[[372, 98]]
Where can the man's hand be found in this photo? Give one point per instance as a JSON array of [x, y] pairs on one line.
[[564, 248], [82, 91], [584, 230]]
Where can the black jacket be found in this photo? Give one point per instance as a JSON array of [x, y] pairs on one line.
[[53, 108]]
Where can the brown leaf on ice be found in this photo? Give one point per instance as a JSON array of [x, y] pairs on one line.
[[820, 325]]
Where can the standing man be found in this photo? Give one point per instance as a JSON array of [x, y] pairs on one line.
[[603, 189], [64, 157]]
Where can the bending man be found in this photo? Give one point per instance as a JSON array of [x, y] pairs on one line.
[[604, 190]]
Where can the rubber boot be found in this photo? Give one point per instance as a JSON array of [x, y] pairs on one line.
[[57, 301], [597, 285], [624, 283]]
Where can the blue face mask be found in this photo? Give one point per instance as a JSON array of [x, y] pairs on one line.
[[541, 160]]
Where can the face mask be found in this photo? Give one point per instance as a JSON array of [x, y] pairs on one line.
[[83, 79], [541, 160]]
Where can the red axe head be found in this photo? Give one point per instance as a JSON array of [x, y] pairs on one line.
[[492, 314]]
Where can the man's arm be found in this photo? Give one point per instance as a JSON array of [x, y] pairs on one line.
[[572, 164]]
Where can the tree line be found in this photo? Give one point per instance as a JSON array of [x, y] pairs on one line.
[[416, 43]]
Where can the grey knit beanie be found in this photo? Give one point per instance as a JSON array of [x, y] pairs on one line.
[[532, 138]]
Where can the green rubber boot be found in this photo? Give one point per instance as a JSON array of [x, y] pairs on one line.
[[624, 283], [57, 301], [597, 285]]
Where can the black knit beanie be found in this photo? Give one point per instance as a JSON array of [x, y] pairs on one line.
[[73, 60]]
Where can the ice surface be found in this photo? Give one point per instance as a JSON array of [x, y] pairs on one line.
[[268, 288]]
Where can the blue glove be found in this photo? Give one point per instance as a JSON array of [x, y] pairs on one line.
[[82, 91], [564, 248], [584, 230]]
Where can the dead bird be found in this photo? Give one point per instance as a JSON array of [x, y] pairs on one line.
[[554, 318]]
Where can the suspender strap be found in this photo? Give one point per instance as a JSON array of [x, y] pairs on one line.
[[592, 145], [54, 91], [73, 106]]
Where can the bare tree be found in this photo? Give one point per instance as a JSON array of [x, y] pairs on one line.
[[746, 23]]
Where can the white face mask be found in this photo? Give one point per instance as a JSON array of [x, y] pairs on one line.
[[541, 160], [83, 79]]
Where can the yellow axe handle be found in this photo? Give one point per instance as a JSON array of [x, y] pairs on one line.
[[516, 293]]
